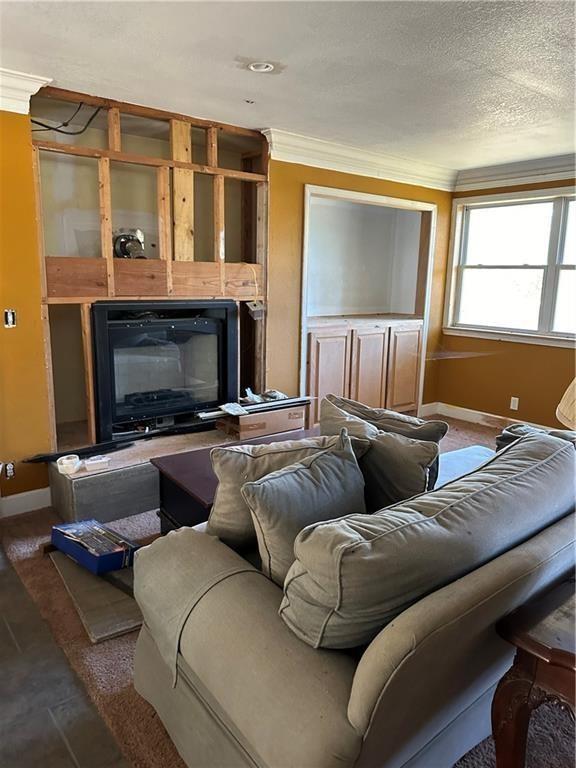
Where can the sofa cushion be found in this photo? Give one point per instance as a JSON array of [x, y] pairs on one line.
[[320, 487], [230, 518], [364, 422], [515, 431], [392, 421], [352, 576]]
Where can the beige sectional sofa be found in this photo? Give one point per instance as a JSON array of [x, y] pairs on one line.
[[235, 687]]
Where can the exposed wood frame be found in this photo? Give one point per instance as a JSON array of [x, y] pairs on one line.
[[165, 221], [212, 146], [311, 191], [140, 111], [181, 141], [125, 157], [114, 130], [88, 370], [219, 234], [105, 198]]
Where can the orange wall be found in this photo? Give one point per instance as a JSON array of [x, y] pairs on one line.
[[287, 182], [484, 374], [24, 426]]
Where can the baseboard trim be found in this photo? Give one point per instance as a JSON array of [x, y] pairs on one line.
[[28, 501], [475, 417]]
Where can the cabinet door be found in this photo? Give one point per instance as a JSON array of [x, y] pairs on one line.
[[369, 365], [403, 367], [328, 366]]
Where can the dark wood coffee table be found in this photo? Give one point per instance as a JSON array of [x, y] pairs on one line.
[[188, 483], [544, 669]]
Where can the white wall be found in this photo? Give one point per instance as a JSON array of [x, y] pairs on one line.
[[362, 259]]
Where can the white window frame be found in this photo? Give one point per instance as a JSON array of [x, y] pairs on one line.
[[560, 196]]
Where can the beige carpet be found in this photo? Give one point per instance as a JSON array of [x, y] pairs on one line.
[[106, 668]]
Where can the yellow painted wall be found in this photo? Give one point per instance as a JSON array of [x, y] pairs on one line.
[[287, 182], [484, 374], [24, 426]]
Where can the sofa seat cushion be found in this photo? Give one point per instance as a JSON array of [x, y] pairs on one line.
[[321, 487], [352, 576]]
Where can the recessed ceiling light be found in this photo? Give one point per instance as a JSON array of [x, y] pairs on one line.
[[261, 67]]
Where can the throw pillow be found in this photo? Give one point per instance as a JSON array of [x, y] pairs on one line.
[[320, 487], [338, 412], [351, 577], [234, 466], [396, 468]]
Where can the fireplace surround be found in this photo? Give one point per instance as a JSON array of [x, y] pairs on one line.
[[158, 363]]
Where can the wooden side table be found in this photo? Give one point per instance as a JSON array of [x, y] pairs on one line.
[[544, 669]]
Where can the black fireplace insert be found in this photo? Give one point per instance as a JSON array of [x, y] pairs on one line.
[[159, 363]]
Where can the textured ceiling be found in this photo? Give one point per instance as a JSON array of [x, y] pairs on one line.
[[457, 84]]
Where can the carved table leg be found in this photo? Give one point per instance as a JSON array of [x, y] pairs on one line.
[[511, 708]]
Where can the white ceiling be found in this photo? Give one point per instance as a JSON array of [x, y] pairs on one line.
[[456, 84]]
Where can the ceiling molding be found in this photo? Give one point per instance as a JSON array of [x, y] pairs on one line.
[[513, 174], [294, 148], [16, 89]]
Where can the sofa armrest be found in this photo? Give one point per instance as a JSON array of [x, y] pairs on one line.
[[439, 656], [171, 576]]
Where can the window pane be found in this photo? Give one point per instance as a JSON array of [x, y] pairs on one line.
[[509, 234], [565, 314], [501, 298], [570, 240]]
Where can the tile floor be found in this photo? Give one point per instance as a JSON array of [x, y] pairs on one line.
[[46, 718]]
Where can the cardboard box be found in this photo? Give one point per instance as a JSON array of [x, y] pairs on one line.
[[264, 423]]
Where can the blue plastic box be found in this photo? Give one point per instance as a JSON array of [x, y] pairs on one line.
[[94, 546]]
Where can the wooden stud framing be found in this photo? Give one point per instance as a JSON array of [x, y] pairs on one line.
[[181, 141], [212, 146], [183, 206], [165, 222], [219, 245], [114, 130], [105, 198], [51, 92], [49, 376], [125, 157], [88, 371]]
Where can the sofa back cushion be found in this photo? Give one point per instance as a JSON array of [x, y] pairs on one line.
[[321, 487], [234, 466], [351, 577]]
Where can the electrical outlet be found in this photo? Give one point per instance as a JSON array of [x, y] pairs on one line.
[[10, 470], [514, 403]]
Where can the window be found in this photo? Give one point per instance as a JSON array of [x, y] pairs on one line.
[[515, 267]]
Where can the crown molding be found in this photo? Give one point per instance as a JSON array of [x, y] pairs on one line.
[[513, 174], [294, 148], [16, 89]]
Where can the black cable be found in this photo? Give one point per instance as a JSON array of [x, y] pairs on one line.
[[58, 128]]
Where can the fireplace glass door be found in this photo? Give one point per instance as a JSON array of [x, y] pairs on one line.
[[166, 367]]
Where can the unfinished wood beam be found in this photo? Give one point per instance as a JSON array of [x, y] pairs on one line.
[[183, 212], [181, 141], [114, 130], [212, 146], [219, 251], [165, 221], [88, 370], [105, 197]]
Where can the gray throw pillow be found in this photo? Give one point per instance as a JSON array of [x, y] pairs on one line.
[[396, 468], [392, 421], [321, 487], [362, 421], [234, 466], [352, 576]]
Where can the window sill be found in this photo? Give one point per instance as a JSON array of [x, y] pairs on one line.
[[519, 338]]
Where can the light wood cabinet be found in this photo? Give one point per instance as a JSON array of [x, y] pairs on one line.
[[328, 365], [369, 365], [403, 367], [376, 363]]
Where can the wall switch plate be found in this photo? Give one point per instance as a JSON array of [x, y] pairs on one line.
[[9, 318], [514, 403]]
